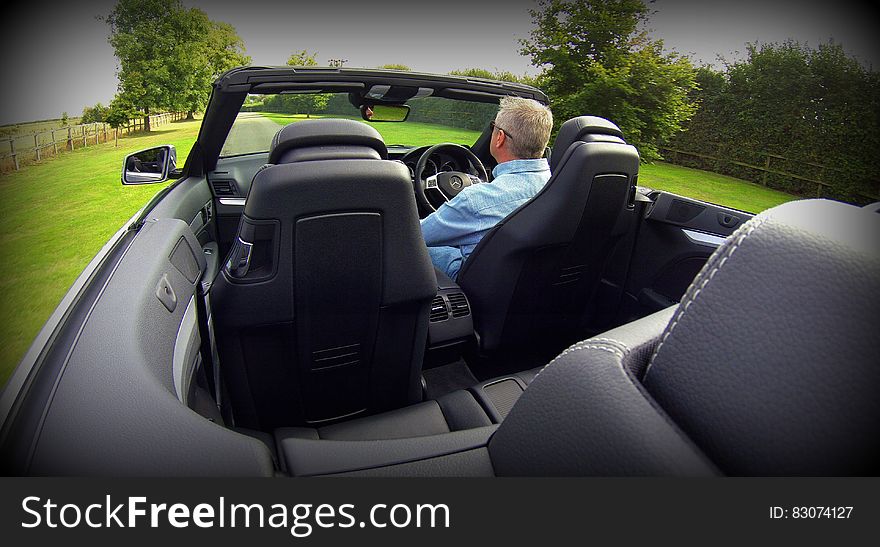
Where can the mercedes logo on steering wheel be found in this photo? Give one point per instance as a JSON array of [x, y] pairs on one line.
[[456, 182]]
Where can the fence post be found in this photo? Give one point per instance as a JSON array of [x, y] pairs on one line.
[[37, 146], [54, 143], [69, 139], [14, 155], [84, 136], [766, 170]]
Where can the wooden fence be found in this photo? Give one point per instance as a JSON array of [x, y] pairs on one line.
[[16, 150], [673, 155]]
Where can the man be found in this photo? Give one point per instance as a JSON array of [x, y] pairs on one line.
[[520, 133]]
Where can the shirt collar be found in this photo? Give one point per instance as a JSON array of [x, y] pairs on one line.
[[519, 166]]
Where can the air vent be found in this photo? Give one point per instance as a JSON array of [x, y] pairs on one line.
[[438, 310], [223, 187], [459, 304]]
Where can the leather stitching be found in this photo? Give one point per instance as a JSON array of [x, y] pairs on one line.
[[580, 346], [701, 284], [611, 346], [658, 410], [673, 427]]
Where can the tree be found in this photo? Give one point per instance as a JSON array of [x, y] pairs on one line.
[[807, 105], [503, 75], [94, 114], [168, 55], [65, 119], [303, 58], [394, 66], [595, 60], [118, 114], [199, 65], [309, 102]]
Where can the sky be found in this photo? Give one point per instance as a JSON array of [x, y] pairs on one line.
[[55, 55]]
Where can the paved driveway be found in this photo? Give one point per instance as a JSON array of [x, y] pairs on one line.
[[250, 133]]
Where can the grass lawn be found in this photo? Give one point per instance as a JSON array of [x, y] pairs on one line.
[[54, 217], [408, 133], [711, 187]]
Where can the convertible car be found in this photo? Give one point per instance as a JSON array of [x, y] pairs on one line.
[[274, 310]]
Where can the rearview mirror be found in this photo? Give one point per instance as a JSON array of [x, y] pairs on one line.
[[384, 112], [150, 166]]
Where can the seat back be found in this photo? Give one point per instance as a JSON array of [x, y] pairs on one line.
[[532, 276], [768, 367], [322, 308]]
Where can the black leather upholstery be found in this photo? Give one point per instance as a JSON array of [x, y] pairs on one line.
[[768, 367], [585, 413], [325, 316], [771, 364], [452, 412], [459, 453], [532, 276], [339, 133], [582, 129]]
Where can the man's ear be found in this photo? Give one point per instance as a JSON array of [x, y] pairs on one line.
[[500, 138]]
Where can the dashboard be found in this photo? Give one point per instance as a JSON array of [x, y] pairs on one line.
[[231, 180]]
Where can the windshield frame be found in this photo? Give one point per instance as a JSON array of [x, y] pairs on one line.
[[231, 89], [431, 120]]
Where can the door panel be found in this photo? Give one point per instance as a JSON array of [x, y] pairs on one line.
[[676, 237], [121, 401]]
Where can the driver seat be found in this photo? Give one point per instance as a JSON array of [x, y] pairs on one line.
[[532, 276], [322, 308]]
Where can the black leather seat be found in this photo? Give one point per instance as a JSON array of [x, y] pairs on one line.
[[767, 367], [531, 277], [322, 308]]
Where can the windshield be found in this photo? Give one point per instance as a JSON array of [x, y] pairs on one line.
[[431, 120]]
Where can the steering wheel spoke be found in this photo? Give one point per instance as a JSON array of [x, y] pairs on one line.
[[446, 184], [431, 183]]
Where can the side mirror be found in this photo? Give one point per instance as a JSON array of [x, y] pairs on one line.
[[150, 166], [385, 112]]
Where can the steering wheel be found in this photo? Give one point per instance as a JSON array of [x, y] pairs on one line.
[[445, 185]]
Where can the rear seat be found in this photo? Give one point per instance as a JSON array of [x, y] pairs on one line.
[[484, 404], [452, 412]]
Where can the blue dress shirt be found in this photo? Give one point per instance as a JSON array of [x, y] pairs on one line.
[[452, 232]]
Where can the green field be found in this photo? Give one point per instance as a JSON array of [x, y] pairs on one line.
[[56, 215], [407, 133], [711, 187]]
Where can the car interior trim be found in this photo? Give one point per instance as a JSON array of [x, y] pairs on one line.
[[703, 238], [185, 357], [233, 202]]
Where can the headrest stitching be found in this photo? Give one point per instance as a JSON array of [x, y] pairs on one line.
[[701, 282]]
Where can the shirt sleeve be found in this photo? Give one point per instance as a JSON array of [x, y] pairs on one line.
[[450, 223]]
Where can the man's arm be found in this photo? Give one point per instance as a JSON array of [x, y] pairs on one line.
[[451, 224]]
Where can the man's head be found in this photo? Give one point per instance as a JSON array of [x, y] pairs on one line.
[[521, 130]]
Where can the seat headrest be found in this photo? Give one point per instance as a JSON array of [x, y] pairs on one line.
[[581, 129], [332, 138], [770, 363]]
